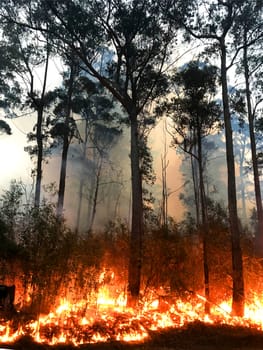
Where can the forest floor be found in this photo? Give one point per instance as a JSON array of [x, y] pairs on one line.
[[195, 336]]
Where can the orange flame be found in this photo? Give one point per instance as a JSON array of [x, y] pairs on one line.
[[76, 324]]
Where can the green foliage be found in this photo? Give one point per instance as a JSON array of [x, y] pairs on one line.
[[193, 108]]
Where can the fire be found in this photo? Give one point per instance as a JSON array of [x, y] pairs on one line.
[[78, 322]]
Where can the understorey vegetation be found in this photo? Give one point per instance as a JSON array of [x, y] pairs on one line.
[[47, 261]]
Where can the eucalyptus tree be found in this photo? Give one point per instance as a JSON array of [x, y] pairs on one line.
[[213, 22], [98, 123], [80, 100], [103, 138], [241, 146], [140, 38], [64, 124], [196, 114], [96, 114], [248, 37], [29, 52], [9, 87]]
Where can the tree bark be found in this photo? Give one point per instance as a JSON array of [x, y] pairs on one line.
[[96, 193], [237, 264], [63, 167], [164, 162], [40, 110], [259, 233], [196, 186], [204, 220], [39, 156], [81, 183], [242, 183], [135, 258], [62, 178]]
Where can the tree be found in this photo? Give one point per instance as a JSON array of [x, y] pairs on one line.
[[65, 127], [249, 24], [98, 124], [104, 139], [9, 87], [241, 145], [195, 115], [139, 38], [27, 53], [213, 23]]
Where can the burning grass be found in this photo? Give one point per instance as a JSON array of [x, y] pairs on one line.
[[70, 293], [110, 322], [194, 336]]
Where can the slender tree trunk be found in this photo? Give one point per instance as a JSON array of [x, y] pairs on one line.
[[92, 183], [259, 233], [62, 178], [164, 204], [242, 182], [164, 208], [81, 183], [243, 194], [40, 112], [205, 229], [39, 156], [237, 264], [95, 197], [135, 258], [64, 157], [196, 190]]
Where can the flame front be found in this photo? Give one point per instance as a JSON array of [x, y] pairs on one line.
[[79, 322]]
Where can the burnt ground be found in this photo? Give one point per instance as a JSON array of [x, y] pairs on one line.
[[195, 336]]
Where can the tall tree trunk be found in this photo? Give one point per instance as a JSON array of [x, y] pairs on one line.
[[92, 182], [62, 178], [40, 111], [64, 157], [242, 151], [81, 183], [205, 229], [259, 233], [95, 196], [39, 156], [135, 258], [164, 204], [237, 264], [196, 187]]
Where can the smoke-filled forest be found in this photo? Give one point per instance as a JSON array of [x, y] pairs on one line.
[[143, 212]]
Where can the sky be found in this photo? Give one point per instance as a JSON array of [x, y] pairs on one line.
[[16, 163]]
